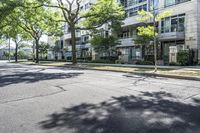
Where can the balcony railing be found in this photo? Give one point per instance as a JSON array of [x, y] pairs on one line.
[[173, 28]]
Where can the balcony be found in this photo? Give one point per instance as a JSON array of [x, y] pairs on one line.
[[68, 35], [174, 32], [172, 36], [126, 42]]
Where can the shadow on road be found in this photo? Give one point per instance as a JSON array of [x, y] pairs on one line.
[[148, 113], [30, 77]]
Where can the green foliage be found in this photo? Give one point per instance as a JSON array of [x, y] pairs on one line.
[[6, 8], [6, 54], [149, 30], [183, 57], [103, 11], [144, 62], [56, 48], [142, 39], [102, 44], [198, 62], [43, 48], [21, 54], [146, 16], [103, 61], [174, 64], [146, 31]]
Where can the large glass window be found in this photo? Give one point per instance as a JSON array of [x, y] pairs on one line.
[[173, 24], [134, 11], [153, 5], [174, 2], [134, 2]]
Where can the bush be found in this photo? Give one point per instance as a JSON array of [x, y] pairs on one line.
[[198, 62], [69, 58], [149, 58], [183, 57], [143, 62], [103, 61], [85, 58], [111, 58], [174, 64]]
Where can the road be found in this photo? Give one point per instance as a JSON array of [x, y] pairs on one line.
[[36, 99]]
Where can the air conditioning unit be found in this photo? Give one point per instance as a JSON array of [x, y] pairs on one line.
[[173, 50]]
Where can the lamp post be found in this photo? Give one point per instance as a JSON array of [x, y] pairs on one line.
[[9, 49], [155, 43]]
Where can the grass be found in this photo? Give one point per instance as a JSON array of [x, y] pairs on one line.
[[45, 63], [164, 71]]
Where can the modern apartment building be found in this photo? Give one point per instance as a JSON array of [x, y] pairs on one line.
[[180, 31]]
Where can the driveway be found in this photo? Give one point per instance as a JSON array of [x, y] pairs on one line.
[[36, 99]]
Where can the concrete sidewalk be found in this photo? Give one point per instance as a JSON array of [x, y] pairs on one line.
[[143, 66]]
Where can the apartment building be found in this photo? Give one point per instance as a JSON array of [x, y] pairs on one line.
[[180, 31], [83, 46]]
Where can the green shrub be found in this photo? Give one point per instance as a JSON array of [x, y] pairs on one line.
[[174, 64], [111, 58], [198, 62], [103, 61], [69, 58], [149, 58], [143, 62], [183, 57], [84, 58]]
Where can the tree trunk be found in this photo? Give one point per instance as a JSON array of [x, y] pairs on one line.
[[73, 37], [37, 50], [155, 45], [16, 52], [9, 49], [33, 51]]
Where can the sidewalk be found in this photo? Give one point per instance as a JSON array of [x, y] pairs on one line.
[[143, 66], [179, 72]]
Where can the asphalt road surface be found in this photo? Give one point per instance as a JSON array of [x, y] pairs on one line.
[[37, 99]]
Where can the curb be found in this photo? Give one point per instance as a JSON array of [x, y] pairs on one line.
[[147, 74], [137, 73]]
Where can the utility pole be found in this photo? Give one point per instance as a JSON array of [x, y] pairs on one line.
[[33, 51], [155, 39], [9, 49]]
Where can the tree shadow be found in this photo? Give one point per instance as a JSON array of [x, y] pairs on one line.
[[31, 77], [155, 112]]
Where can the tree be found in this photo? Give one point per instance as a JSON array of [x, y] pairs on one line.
[[6, 8], [16, 34], [7, 54], [151, 31], [103, 11], [21, 54], [103, 44], [56, 49], [43, 49], [36, 22]]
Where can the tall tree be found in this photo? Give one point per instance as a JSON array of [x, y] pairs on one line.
[[36, 22], [101, 12], [13, 31], [43, 49], [152, 31], [6, 8]]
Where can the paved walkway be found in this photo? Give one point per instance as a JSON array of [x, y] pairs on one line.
[[37, 99], [145, 66]]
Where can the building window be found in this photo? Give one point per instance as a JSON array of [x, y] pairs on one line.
[[173, 24], [134, 11], [174, 2], [134, 2], [153, 5]]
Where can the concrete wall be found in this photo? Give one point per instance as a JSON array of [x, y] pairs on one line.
[[198, 27], [191, 9]]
